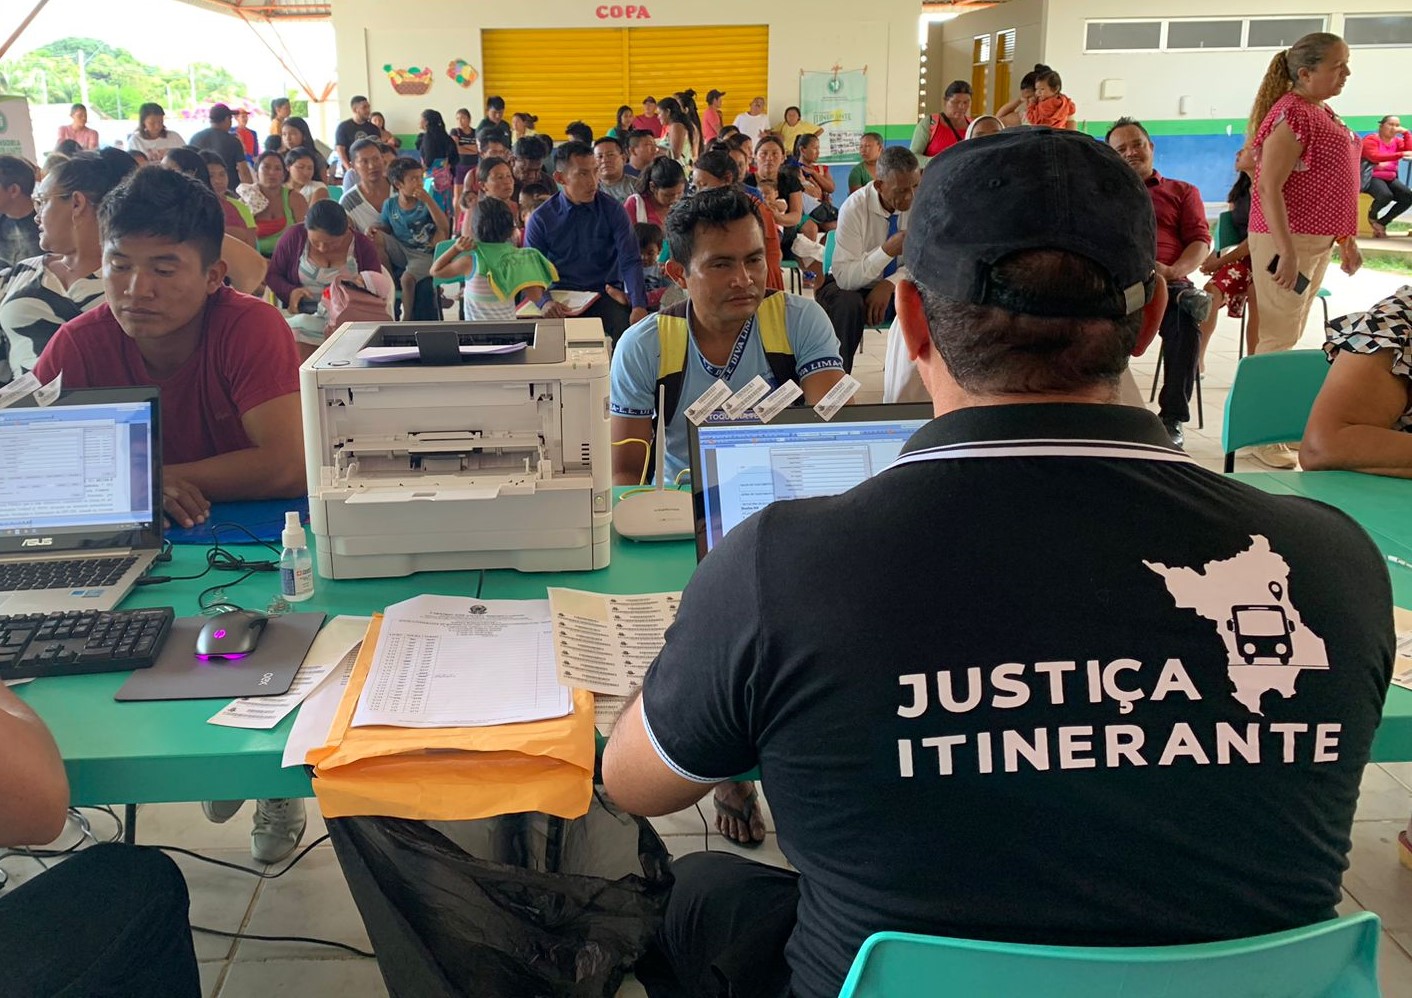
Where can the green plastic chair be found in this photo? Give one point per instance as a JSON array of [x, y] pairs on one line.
[[1270, 399], [1226, 235], [828, 250], [1334, 959]]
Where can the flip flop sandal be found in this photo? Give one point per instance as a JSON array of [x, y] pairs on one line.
[[741, 814]]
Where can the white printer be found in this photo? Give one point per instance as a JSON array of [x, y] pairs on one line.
[[458, 445]]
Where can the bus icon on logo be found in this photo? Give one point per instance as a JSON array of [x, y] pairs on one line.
[[1261, 632]]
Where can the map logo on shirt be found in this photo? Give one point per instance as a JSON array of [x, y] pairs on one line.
[[1246, 598]]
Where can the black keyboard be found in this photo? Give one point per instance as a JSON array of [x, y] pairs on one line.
[[81, 641], [78, 573]]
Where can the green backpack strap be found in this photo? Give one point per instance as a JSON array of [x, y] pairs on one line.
[[672, 337]]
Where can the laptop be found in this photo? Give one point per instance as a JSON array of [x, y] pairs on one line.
[[80, 499], [739, 467]]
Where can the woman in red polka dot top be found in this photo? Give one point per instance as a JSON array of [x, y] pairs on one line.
[[1306, 184]]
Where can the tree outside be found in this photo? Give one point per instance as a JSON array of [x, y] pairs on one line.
[[118, 82]]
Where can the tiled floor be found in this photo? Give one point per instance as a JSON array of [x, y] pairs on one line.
[[312, 900]]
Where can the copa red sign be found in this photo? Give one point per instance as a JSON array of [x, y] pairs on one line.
[[621, 12]]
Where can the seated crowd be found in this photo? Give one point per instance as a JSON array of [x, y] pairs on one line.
[[1017, 309]]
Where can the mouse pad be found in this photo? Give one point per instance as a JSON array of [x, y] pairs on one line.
[[267, 671]]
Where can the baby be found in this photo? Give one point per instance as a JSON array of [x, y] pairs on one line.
[[1050, 107]]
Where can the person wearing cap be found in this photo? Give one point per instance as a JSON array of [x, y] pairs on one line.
[[711, 118], [648, 121], [249, 141], [219, 139], [1027, 690], [867, 251], [1183, 243]]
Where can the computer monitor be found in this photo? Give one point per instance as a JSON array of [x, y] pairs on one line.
[[740, 467], [83, 473]]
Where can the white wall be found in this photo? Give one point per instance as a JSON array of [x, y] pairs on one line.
[[881, 35], [954, 63], [1220, 84]]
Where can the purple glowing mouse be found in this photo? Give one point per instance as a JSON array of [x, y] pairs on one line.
[[233, 634]]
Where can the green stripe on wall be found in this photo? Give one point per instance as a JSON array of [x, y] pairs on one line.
[[1360, 123]]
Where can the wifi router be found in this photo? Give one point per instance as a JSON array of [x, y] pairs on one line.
[[659, 514]]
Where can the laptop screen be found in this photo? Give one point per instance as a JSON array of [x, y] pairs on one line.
[[739, 468], [82, 473]]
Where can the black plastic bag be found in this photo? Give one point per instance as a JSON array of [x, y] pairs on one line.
[[519, 906]]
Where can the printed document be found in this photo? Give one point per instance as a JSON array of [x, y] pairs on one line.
[[454, 662], [605, 642]]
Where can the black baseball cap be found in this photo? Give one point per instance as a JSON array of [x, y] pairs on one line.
[[713, 94], [1029, 189]]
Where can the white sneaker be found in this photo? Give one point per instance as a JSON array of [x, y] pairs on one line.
[[220, 811], [279, 825], [1276, 456]]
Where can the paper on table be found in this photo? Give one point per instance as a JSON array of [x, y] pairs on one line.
[[331, 646], [606, 711], [604, 642], [450, 661], [386, 355], [1402, 665], [311, 725]]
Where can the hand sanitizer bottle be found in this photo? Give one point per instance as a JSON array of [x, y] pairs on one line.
[[296, 567]]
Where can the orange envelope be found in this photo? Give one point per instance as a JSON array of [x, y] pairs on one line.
[[452, 774]]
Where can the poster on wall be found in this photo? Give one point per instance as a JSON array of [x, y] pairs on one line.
[[410, 82], [16, 133], [836, 101]]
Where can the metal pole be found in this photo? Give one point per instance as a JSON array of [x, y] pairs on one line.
[[20, 30]]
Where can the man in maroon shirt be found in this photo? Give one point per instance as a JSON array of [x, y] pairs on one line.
[[1183, 241], [225, 363], [648, 121]]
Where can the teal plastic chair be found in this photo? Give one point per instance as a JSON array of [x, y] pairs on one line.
[[1270, 399], [1335, 959], [828, 250]]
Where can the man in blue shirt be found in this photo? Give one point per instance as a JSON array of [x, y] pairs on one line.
[[585, 234], [718, 256], [733, 330]]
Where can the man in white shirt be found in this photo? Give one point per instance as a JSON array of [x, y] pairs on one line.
[[867, 245], [754, 122]]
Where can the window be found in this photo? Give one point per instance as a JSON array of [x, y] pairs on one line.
[[1374, 29], [1004, 60], [1280, 32], [1111, 36], [980, 69], [1204, 34]]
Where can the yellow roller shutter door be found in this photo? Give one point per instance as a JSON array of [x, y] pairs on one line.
[[735, 59], [613, 66], [562, 75]]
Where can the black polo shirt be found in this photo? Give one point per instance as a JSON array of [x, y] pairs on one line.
[[1064, 686]]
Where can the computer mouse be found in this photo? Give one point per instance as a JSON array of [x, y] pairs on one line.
[[233, 634]]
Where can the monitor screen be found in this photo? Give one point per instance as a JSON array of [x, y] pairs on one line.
[[740, 468], [78, 469]]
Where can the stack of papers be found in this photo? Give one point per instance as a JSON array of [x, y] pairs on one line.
[[455, 662], [605, 643]]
